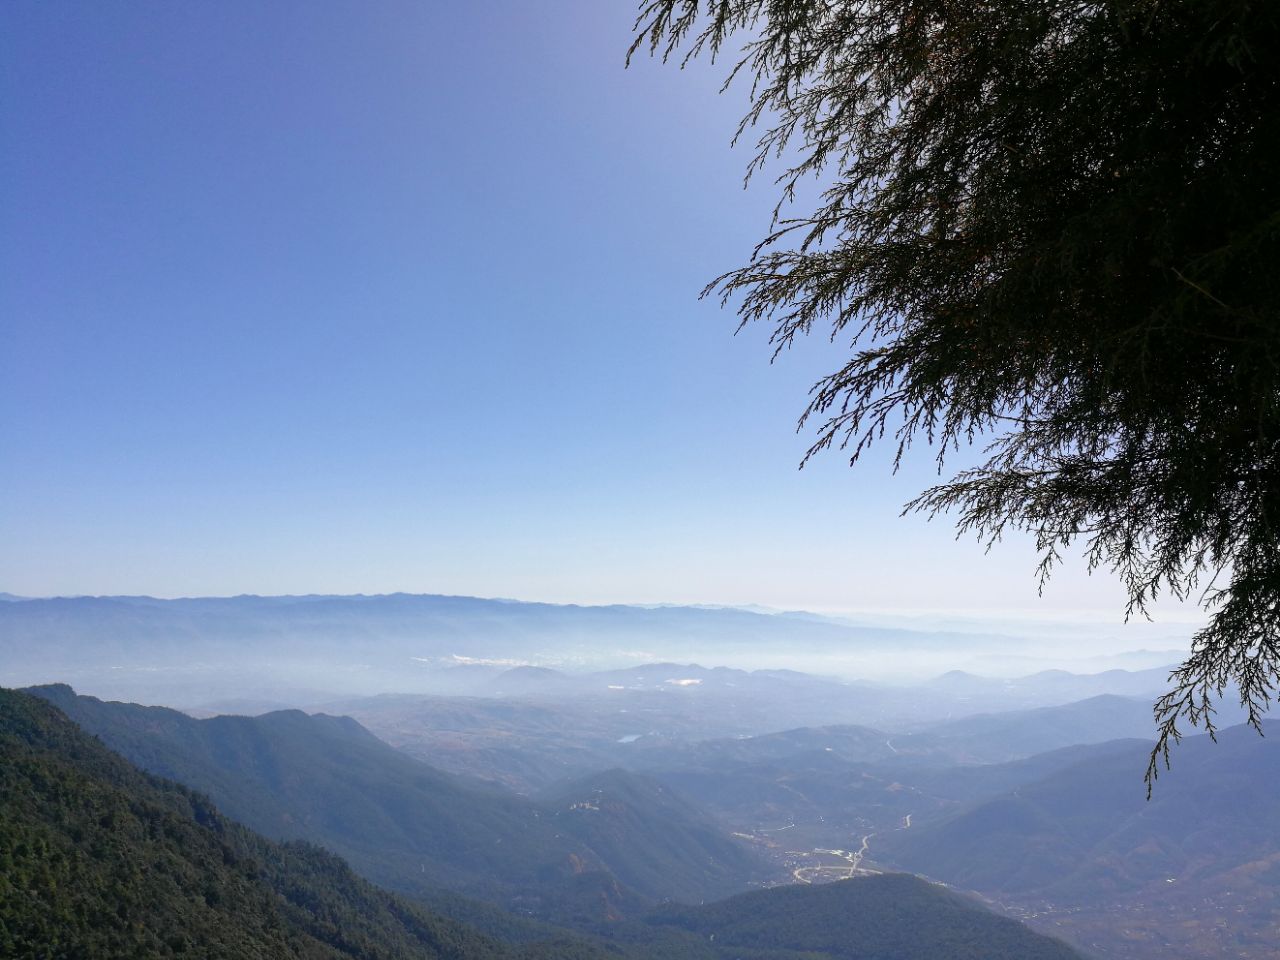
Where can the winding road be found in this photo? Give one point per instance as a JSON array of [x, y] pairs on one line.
[[854, 859]]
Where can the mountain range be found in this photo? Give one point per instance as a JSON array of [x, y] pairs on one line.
[[299, 650], [103, 860], [1083, 844], [601, 848], [545, 725]]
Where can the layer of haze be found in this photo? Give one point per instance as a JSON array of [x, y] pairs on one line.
[[403, 296]]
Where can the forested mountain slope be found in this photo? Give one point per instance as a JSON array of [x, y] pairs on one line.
[[652, 838], [99, 860], [887, 917], [416, 829], [1090, 826], [1084, 845]]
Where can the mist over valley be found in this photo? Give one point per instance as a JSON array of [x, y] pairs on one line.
[[531, 768]]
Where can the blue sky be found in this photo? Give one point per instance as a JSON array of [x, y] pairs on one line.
[[403, 296]]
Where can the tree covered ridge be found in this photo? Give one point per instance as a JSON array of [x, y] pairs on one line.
[[892, 915], [1050, 226], [98, 859], [417, 830]]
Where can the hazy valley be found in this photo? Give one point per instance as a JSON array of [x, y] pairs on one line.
[[529, 803]]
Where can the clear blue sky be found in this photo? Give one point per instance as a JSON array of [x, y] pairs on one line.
[[386, 296]]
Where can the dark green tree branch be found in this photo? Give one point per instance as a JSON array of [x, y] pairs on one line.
[[1053, 227]]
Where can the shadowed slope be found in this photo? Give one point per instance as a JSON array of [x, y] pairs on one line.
[[103, 861], [409, 826]]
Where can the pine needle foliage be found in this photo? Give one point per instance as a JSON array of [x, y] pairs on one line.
[[1050, 231]]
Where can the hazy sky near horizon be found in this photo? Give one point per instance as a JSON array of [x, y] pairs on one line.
[[353, 297]]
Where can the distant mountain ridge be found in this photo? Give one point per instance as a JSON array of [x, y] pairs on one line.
[[367, 644], [998, 737]]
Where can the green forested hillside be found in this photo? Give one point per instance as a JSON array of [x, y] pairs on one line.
[[416, 829], [99, 860], [651, 838], [887, 917]]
